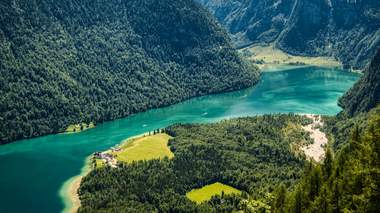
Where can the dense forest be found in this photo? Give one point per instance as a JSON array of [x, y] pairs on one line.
[[347, 181], [365, 94], [66, 62], [349, 178], [252, 154]]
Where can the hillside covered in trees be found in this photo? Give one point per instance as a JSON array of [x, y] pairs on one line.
[[252, 154], [347, 181], [348, 30], [66, 62], [365, 94], [349, 178]]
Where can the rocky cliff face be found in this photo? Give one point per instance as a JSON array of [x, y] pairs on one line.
[[365, 94], [348, 30]]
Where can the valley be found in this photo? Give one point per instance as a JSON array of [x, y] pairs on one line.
[[277, 92], [280, 162], [347, 31], [189, 106], [62, 66]]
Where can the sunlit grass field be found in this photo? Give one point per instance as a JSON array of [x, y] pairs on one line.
[[79, 127], [205, 193], [144, 148], [99, 163]]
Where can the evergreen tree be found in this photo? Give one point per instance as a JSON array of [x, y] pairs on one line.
[[328, 163], [280, 199]]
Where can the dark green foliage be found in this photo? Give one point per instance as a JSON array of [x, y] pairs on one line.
[[65, 62], [250, 154], [280, 198], [348, 183], [339, 127], [365, 94]]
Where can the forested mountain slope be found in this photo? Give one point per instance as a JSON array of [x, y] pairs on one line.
[[346, 29], [64, 62], [349, 179], [365, 94]]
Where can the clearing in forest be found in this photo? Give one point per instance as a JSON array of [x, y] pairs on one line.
[[75, 128], [269, 57], [144, 148], [205, 193]]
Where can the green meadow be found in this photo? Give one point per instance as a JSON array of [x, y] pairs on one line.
[[205, 193], [73, 128], [99, 163], [144, 148]]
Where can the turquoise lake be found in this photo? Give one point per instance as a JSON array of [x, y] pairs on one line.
[[34, 170]]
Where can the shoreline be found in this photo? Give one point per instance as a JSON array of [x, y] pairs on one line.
[[70, 197], [269, 67], [69, 190], [271, 58]]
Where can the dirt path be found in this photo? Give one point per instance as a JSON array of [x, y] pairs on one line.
[[315, 150]]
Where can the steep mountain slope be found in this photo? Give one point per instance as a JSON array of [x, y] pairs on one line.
[[347, 30], [67, 61], [349, 180], [365, 94]]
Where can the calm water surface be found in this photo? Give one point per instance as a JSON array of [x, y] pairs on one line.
[[33, 171]]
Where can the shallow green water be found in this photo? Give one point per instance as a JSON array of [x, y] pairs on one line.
[[33, 171]]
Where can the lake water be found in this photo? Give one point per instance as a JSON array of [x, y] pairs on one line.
[[33, 171]]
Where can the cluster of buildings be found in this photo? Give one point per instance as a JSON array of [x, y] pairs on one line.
[[107, 158]]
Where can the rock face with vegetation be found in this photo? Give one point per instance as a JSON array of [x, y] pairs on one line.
[[66, 62], [348, 30], [365, 94]]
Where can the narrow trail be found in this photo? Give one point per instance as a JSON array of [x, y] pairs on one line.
[[315, 150]]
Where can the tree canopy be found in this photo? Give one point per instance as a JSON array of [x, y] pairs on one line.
[[66, 62], [250, 154]]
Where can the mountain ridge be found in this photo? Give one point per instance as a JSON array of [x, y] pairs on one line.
[[346, 30]]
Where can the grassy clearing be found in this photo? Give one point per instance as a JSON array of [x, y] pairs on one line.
[[99, 163], [144, 148], [73, 128], [205, 193], [269, 57]]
